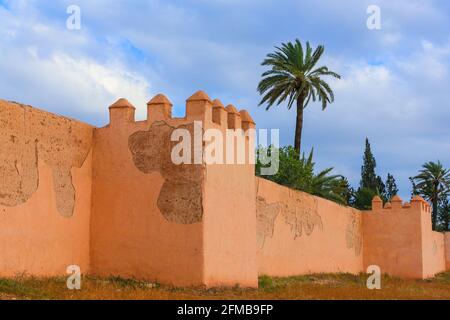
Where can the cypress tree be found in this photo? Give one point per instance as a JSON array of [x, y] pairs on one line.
[[348, 193], [444, 215], [368, 177], [381, 189], [370, 184], [391, 187]]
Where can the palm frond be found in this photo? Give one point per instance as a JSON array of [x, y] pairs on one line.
[[290, 77]]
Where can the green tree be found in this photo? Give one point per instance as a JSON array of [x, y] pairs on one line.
[[368, 176], [433, 183], [371, 184], [414, 189], [293, 76], [348, 193], [444, 215], [298, 173], [363, 198], [391, 187], [381, 189]]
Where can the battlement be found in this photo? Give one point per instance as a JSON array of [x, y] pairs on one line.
[[396, 203], [199, 107], [194, 183], [399, 239]]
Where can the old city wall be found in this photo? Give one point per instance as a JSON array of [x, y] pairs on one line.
[[112, 201]]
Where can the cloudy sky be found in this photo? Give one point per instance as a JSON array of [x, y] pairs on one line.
[[395, 86]]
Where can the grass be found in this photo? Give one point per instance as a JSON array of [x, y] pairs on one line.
[[322, 286]]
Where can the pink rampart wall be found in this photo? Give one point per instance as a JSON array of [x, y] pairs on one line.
[[433, 247], [447, 250], [229, 221], [392, 241], [299, 233], [398, 238], [151, 219], [111, 201], [129, 235], [45, 188], [230, 228], [230, 225]]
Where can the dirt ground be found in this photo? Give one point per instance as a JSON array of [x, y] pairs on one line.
[[324, 287]]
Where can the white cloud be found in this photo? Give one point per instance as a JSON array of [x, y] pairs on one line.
[[51, 67], [85, 84], [390, 39], [98, 84], [431, 62]]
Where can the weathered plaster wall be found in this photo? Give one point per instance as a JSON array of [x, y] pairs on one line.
[[188, 224], [299, 234], [45, 191], [131, 233], [180, 199]]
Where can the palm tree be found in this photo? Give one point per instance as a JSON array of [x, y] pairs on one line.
[[433, 182], [294, 76]]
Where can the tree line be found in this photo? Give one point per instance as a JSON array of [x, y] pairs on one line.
[[297, 172]]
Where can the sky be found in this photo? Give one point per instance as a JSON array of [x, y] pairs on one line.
[[394, 87]]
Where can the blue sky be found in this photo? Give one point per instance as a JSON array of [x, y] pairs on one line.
[[394, 90]]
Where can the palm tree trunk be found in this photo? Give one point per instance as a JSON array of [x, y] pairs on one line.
[[435, 208], [299, 124], [435, 213]]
